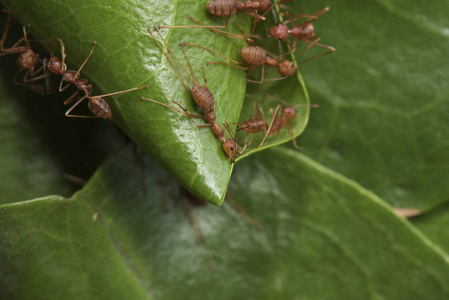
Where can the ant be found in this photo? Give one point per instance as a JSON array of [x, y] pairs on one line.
[[97, 105], [254, 125], [203, 98], [303, 32], [28, 60], [256, 56], [227, 8], [288, 113]]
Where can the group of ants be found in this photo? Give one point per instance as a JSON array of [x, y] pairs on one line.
[[33, 68]]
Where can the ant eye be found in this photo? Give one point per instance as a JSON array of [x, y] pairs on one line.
[[52, 62], [232, 148], [280, 38]]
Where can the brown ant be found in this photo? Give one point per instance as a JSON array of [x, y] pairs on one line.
[[286, 119], [254, 125], [203, 98], [227, 8], [97, 105], [256, 56], [303, 32], [28, 60]]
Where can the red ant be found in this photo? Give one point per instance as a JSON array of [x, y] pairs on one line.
[[97, 105], [203, 98], [286, 119], [227, 8], [254, 125], [303, 32], [256, 56], [28, 60]]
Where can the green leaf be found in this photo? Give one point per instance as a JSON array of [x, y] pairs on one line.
[[119, 238], [127, 57], [383, 97]]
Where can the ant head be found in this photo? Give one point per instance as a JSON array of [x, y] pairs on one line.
[[54, 65], [289, 112], [230, 147], [279, 32], [27, 59], [287, 68]]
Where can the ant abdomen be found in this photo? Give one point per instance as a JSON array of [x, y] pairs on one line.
[[203, 97], [222, 8], [305, 32], [254, 125], [254, 55], [100, 108]]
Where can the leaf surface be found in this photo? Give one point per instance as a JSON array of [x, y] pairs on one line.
[[119, 236], [383, 97]]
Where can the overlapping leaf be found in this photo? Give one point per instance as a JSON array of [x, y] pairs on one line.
[[120, 236], [383, 98]]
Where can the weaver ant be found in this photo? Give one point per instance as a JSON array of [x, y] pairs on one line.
[[303, 32], [203, 98], [27, 61], [288, 113], [227, 8], [256, 56], [97, 105]]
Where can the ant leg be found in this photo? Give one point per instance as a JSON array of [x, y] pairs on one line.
[[186, 113], [170, 60], [261, 80], [224, 33], [271, 125], [191, 116], [290, 131], [210, 50], [6, 30], [67, 113], [120, 92], [85, 61], [226, 64], [70, 99], [205, 83], [313, 14], [331, 50], [188, 62], [198, 26], [63, 55]]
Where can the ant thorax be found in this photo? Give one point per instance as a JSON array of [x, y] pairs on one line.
[[279, 32]]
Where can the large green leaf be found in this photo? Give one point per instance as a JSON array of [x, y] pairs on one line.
[[118, 237], [383, 97], [127, 56]]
